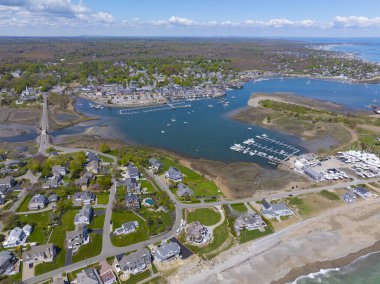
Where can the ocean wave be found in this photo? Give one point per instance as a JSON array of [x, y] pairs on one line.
[[315, 275]]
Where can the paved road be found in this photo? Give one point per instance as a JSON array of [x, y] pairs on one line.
[[44, 139]]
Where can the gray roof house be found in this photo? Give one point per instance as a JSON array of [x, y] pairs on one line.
[[92, 157], [362, 192], [197, 233], [155, 164], [84, 215], [275, 210], [7, 182], [312, 174], [174, 174], [127, 228], [89, 276], [349, 197], [45, 253], [135, 262], [167, 250], [133, 171], [37, 202], [249, 221], [58, 170], [8, 261], [184, 190], [93, 167], [132, 201], [53, 198], [78, 237], [132, 185], [84, 197]]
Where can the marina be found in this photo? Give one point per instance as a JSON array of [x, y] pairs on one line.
[[275, 151]]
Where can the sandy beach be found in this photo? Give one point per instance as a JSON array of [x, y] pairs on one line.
[[333, 239]]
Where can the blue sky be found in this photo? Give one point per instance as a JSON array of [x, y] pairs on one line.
[[319, 18]]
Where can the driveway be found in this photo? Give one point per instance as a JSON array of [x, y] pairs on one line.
[[69, 256], [27, 272]]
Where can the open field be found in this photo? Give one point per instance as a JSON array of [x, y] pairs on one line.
[[25, 115], [206, 216], [239, 207]]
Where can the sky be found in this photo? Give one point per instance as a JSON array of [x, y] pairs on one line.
[[205, 18]]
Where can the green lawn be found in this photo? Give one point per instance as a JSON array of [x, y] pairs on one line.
[[58, 238], [199, 184], [239, 207], [206, 216], [97, 222], [147, 184], [102, 198], [329, 195], [141, 234], [23, 207], [246, 236], [40, 222], [302, 208], [106, 159], [93, 248], [157, 222]]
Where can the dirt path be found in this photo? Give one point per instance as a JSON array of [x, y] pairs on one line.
[[370, 127]]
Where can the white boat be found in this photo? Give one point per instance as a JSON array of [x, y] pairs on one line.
[[162, 131]]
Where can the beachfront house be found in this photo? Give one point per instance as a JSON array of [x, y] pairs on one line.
[[249, 221], [127, 228], [196, 233], [275, 210], [362, 192], [132, 201], [41, 253], [78, 237], [174, 175], [84, 215], [92, 157], [167, 251], [155, 164], [89, 276], [133, 263], [183, 190], [8, 263], [37, 202]]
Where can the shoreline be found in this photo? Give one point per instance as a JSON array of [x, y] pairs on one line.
[[338, 263]]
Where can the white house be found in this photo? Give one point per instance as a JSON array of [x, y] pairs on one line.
[[16, 237]]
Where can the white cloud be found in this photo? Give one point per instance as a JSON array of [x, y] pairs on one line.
[[356, 22], [180, 21]]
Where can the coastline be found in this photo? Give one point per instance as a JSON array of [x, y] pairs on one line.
[[316, 267]]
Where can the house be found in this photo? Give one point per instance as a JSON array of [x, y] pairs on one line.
[[92, 157], [58, 170], [362, 192], [249, 221], [349, 197], [133, 171], [197, 233], [84, 197], [106, 273], [174, 175], [132, 201], [312, 174], [78, 237], [41, 253], [37, 202], [27, 229], [167, 251], [2, 200], [17, 73], [89, 276], [155, 165], [135, 262], [93, 167], [53, 182], [127, 228], [84, 215], [8, 263], [53, 198], [15, 238], [132, 185], [184, 190], [82, 182], [276, 210], [7, 182], [13, 163]]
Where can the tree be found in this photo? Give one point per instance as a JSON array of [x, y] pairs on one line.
[[104, 148]]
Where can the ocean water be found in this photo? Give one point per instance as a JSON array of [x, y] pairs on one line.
[[364, 270], [208, 132], [365, 48]]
